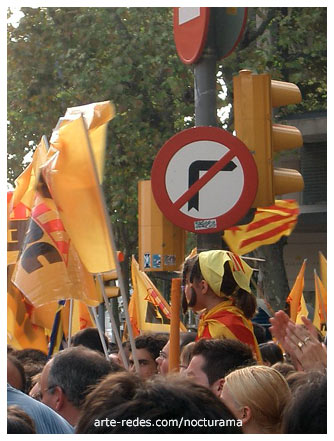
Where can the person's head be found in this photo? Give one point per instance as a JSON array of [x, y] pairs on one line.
[[257, 395], [213, 359], [67, 377], [186, 355], [284, 368], [113, 390], [90, 338], [260, 333], [173, 400], [19, 421], [15, 373], [33, 361], [163, 360], [307, 410], [217, 273], [35, 391], [271, 353], [148, 348], [126, 349], [297, 379]]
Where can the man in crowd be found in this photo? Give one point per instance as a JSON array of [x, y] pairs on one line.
[[148, 348], [66, 379], [213, 359]]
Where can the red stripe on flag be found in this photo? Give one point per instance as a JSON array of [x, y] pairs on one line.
[[268, 220], [19, 212], [267, 234], [53, 226], [40, 209], [63, 246]]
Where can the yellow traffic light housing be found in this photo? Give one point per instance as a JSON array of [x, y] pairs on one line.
[[254, 98], [161, 244]]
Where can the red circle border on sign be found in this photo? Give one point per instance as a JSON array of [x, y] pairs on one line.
[[180, 140], [190, 38]]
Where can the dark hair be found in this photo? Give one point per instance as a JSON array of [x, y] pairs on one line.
[[175, 400], [19, 421], [20, 368], [29, 355], [33, 361], [113, 390], [75, 369], [90, 338], [153, 343], [187, 337], [260, 333], [307, 410], [271, 352], [241, 298], [222, 356]]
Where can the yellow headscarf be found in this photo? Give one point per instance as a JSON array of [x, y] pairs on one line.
[[212, 268]]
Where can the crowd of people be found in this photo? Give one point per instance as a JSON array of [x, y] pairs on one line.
[[226, 382]]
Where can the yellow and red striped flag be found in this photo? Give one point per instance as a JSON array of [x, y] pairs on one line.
[[148, 310], [294, 298], [267, 227]]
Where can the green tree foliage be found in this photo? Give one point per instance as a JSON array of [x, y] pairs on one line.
[[63, 57], [290, 44]]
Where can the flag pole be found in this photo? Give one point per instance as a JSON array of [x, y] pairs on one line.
[[113, 247], [92, 309], [55, 328], [174, 338], [70, 322], [112, 321]]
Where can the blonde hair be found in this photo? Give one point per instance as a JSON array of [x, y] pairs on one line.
[[264, 390]]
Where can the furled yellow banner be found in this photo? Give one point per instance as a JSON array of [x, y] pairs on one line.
[[294, 298], [72, 179]]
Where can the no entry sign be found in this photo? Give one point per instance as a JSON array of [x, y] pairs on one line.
[[190, 32], [204, 179]]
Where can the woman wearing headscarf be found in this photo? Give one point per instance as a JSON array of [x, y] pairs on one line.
[[217, 284]]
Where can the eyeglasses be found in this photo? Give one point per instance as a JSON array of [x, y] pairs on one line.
[[163, 354]]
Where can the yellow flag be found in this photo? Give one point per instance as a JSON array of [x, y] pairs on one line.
[[71, 177], [296, 292], [152, 312], [81, 317], [48, 268], [321, 295], [21, 332], [323, 270], [302, 311], [267, 227], [96, 117]]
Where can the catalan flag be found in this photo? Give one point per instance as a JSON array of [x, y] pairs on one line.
[[148, 310], [48, 268], [268, 226]]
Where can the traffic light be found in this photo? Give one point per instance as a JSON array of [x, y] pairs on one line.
[[109, 280], [161, 243], [254, 98]]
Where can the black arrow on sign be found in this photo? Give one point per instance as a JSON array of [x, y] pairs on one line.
[[193, 175]]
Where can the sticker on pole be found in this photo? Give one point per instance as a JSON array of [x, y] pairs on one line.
[[204, 179]]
